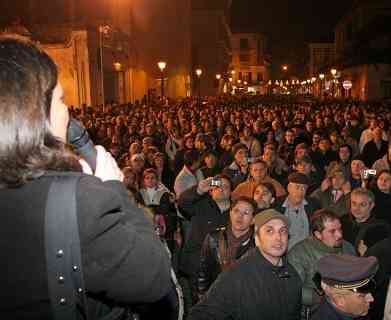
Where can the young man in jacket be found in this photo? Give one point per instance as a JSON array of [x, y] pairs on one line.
[[224, 247], [262, 285], [326, 238], [207, 206]]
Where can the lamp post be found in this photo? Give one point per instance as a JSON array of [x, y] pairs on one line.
[[333, 72], [103, 29], [218, 77], [199, 73], [162, 65], [321, 77]]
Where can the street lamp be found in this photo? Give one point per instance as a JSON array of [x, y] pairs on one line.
[[218, 77], [321, 77], [199, 73], [103, 30], [284, 67], [162, 65], [334, 73]]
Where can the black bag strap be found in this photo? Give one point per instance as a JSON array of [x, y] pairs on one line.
[[63, 253]]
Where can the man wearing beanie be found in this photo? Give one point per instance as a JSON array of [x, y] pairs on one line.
[[297, 208], [261, 286], [347, 283]]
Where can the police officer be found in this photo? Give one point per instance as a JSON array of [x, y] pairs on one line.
[[347, 283]]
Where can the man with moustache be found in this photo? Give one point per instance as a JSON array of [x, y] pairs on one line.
[[263, 285]]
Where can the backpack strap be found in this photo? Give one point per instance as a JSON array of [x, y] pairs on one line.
[[63, 252]]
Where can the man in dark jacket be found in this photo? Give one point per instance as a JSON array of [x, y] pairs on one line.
[[382, 251], [347, 283], [357, 225], [207, 207], [223, 247], [263, 285]]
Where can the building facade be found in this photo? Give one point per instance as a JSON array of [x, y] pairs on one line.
[[363, 50], [250, 70], [321, 56], [210, 44]]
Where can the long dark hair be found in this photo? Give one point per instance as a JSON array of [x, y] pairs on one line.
[[28, 77]]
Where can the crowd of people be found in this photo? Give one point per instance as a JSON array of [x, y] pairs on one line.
[[221, 208], [206, 171]]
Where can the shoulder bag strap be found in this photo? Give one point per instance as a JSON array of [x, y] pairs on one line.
[[63, 253]]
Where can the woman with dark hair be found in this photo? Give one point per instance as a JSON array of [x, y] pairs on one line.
[[114, 234], [264, 196]]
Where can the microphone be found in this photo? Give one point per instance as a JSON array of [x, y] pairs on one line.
[[78, 137]]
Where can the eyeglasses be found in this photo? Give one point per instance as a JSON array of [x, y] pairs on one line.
[[242, 212]]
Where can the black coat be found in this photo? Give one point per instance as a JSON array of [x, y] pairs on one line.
[[370, 231], [371, 153], [114, 235], [205, 217], [382, 209], [212, 256], [382, 251], [327, 312], [253, 289]]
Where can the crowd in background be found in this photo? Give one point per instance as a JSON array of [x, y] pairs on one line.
[[192, 162]]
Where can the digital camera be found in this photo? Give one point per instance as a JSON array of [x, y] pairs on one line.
[[216, 183], [367, 173]]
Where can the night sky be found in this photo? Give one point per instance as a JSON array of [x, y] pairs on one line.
[[290, 25]]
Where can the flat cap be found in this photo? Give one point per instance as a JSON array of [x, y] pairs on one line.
[[297, 177], [269, 214], [347, 272]]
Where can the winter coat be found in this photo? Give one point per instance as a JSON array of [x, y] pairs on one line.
[[205, 217], [114, 237], [254, 289], [215, 256], [304, 257]]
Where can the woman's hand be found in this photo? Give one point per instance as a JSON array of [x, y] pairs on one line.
[[106, 167]]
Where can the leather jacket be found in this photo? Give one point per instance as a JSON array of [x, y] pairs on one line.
[[216, 257]]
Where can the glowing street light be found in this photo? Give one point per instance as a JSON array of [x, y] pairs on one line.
[[284, 67], [162, 65], [199, 73], [117, 66], [321, 76], [333, 71], [218, 76]]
